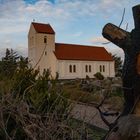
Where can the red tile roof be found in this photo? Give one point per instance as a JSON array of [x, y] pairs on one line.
[[43, 28], [81, 52]]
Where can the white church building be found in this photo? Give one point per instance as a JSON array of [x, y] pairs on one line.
[[69, 60]]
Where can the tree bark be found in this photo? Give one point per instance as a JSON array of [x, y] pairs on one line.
[[128, 125], [136, 16], [115, 34]]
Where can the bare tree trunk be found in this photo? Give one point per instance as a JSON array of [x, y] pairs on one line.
[[125, 127]]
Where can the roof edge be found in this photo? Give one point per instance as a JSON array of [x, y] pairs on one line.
[[79, 45], [43, 24]]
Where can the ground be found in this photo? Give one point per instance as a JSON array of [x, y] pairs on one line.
[[85, 94]]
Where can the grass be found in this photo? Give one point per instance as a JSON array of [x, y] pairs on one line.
[[77, 94], [92, 132], [32, 106]]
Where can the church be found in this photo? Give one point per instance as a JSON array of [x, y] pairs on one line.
[[70, 61]]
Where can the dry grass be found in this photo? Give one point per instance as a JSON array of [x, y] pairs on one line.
[[116, 103], [75, 93]]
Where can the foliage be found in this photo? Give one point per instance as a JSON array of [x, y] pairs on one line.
[[93, 132], [99, 76], [87, 77], [33, 109], [8, 64], [32, 106], [118, 65]]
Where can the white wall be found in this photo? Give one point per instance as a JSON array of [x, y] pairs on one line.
[[48, 60], [64, 73], [41, 53]]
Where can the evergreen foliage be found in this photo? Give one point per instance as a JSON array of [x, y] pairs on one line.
[[33, 106], [30, 105], [99, 76], [118, 65], [8, 64]]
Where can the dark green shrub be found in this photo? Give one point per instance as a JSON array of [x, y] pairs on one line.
[[31, 104], [99, 76], [87, 77]]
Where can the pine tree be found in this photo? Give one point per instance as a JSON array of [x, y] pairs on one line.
[[118, 65]]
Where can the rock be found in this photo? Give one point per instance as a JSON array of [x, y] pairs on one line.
[[117, 80], [96, 83], [116, 88], [128, 128], [106, 83], [104, 92], [87, 87], [114, 136]]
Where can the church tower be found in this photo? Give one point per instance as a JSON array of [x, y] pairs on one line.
[[41, 46]]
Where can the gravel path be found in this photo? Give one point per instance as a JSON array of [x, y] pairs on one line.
[[90, 115]]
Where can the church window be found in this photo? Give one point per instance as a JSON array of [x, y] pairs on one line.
[[103, 68], [70, 68], [45, 39], [74, 68], [45, 53], [89, 68]]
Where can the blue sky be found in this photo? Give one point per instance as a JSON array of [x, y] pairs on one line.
[[74, 21]]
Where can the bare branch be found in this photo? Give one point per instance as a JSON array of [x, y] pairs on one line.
[[122, 18], [118, 26], [126, 27]]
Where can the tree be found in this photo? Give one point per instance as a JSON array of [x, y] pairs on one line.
[[8, 64], [118, 65], [22, 63], [129, 42], [32, 104]]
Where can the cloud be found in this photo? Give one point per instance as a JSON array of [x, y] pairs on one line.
[[98, 40], [16, 15], [19, 10], [110, 47], [78, 34], [115, 50], [19, 13], [19, 47], [21, 50]]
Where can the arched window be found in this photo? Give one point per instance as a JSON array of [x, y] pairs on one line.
[[86, 68], [45, 39], [103, 68], [89, 68], [74, 68], [100, 68], [70, 68]]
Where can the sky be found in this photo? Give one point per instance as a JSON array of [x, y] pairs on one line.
[[74, 21]]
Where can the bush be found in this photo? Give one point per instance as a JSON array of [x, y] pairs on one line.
[[99, 76], [32, 107]]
